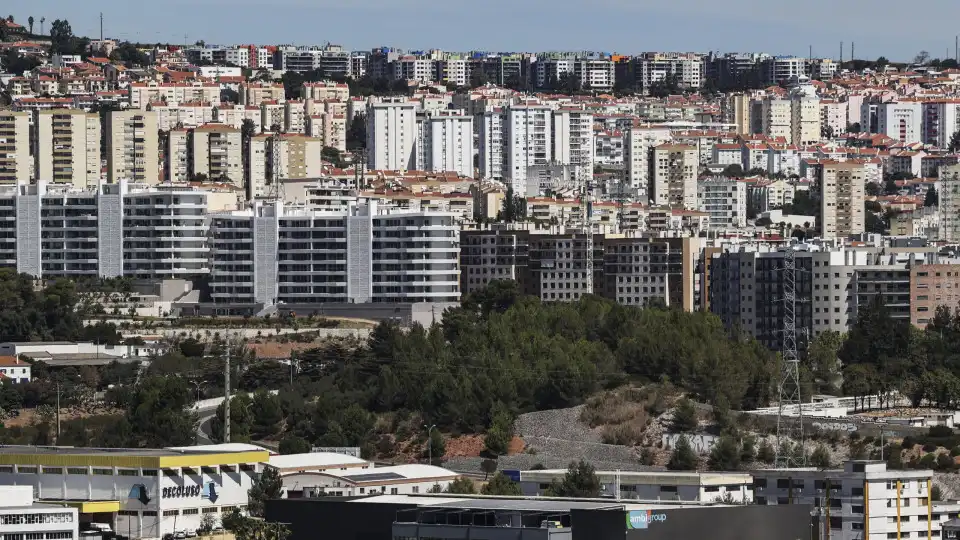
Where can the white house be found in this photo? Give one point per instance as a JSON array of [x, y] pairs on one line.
[[13, 369]]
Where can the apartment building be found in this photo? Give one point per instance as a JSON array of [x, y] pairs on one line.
[[573, 141], [862, 501], [66, 146], [284, 156], [780, 69], [329, 127], [175, 115], [113, 230], [177, 156], [900, 120], [725, 200], [842, 191], [22, 516], [638, 270], [805, 120], [15, 165], [736, 109], [255, 93], [688, 68], [391, 136], [217, 153], [948, 189], [445, 143], [491, 140], [325, 90], [272, 253], [528, 142], [675, 176], [142, 94], [638, 145], [595, 72], [931, 286], [132, 146], [777, 118]]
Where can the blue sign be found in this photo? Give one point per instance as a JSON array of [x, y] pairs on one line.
[[210, 491], [641, 519], [512, 474]]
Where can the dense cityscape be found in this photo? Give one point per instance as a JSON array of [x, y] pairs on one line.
[[288, 292]]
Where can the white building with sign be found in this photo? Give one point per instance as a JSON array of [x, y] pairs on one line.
[[138, 493]]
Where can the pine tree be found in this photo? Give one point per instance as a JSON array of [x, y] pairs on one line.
[[683, 457], [725, 455]]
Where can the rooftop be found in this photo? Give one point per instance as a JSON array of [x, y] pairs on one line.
[[315, 460]]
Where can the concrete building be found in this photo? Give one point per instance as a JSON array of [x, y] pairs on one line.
[[21, 516], [255, 93], [573, 141], [932, 286], [900, 120], [638, 270], [675, 176], [527, 134], [639, 142], [142, 94], [842, 191], [273, 253], [177, 156], [395, 480], [15, 164], [777, 118], [132, 147], [217, 153], [325, 90], [491, 141], [15, 370], [948, 189], [445, 143], [654, 486], [299, 157], [725, 200], [805, 121], [736, 109], [862, 501], [140, 493], [780, 69], [67, 147], [391, 136], [687, 68]]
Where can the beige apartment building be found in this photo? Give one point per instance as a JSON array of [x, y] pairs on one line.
[[67, 147], [329, 127], [133, 147], [737, 111], [143, 94], [932, 285], [177, 156], [842, 198], [217, 152], [14, 147], [299, 157], [948, 188], [256, 93], [675, 175], [325, 90], [805, 121]]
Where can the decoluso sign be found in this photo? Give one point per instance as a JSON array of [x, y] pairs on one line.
[[641, 519]]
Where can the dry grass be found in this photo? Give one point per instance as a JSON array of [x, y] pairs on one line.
[[622, 415]]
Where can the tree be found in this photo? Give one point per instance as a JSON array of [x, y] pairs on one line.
[[683, 457], [725, 455], [436, 448], [61, 37], [292, 444], [684, 417], [500, 484], [853, 127], [765, 453], [461, 485], [954, 144], [881, 63], [873, 189], [30, 23], [932, 198], [357, 133], [921, 58], [207, 523], [733, 171], [500, 434], [267, 486], [488, 466], [820, 457], [580, 481], [267, 416], [823, 363], [158, 414]]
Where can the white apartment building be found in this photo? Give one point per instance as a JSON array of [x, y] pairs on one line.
[[148, 232], [725, 200], [676, 167], [491, 143], [833, 115], [234, 115], [21, 516], [217, 153], [767, 195], [573, 141], [274, 253], [842, 191], [325, 90], [413, 68], [329, 127], [595, 73], [445, 143], [453, 71], [687, 67], [638, 145], [863, 501], [255, 93], [780, 69], [132, 146], [296, 157], [941, 119], [175, 115], [138, 493], [528, 142], [608, 148], [66, 146], [900, 120], [15, 165], [294, 117], [391, 136], [142, 94], [948, 188]]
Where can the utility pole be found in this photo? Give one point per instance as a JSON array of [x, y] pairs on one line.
[[430, 442], [226, 394], [101, 29], [841, 55], [58, 412]]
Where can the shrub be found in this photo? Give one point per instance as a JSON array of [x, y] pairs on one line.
[[626, 434], [929, 447], [908, 442], [940, 431], [955, 451]]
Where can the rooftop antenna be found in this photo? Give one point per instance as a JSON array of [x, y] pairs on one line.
[[101, 28], [841, 55]]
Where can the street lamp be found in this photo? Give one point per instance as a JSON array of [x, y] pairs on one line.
[[430, 442], [197, 385]]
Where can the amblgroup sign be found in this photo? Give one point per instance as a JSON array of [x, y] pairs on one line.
[[641, 519]]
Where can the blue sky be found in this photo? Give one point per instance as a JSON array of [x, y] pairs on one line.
[[879, 27]]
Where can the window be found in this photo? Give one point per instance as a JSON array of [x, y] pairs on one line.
[[76, 470], [393, 491], [191, 511], [128, 472], [167, 513], [210, 510], [103, 472], [53, 470]]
